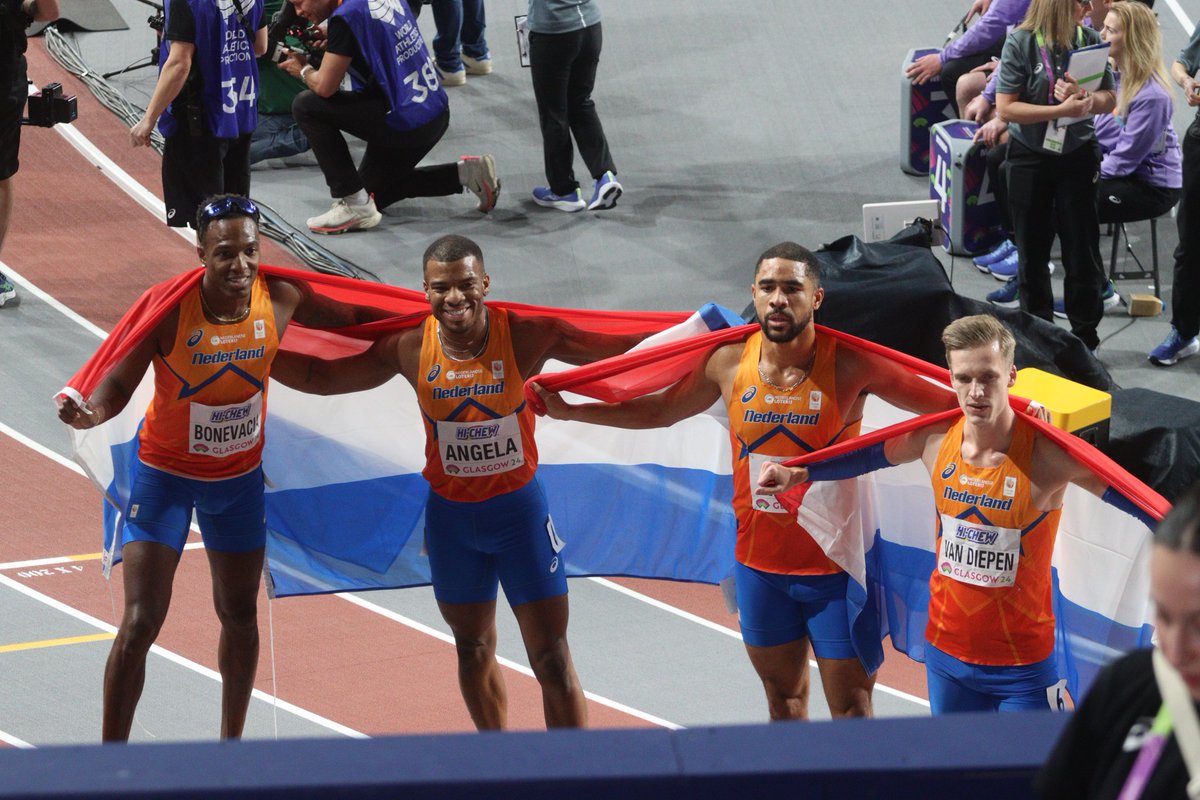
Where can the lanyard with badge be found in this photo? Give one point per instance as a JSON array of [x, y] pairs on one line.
[[1055, 135], [1147, 760]]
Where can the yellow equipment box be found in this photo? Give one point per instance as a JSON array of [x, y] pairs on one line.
[[1073, 407]]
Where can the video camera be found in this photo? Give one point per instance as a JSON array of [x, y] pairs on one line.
[[49, 107]]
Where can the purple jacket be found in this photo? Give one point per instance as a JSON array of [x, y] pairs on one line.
[[1144, 144], [988, 30]]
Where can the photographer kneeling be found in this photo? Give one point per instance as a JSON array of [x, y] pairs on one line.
[[398, 108]]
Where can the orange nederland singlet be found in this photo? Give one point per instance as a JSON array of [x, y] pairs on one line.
[[768, 424], [989, 595], [478, 428], [210, 392]]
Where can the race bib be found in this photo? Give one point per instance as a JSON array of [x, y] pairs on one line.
[[977, 554], [476, 449], [763, 502], [221, 431]]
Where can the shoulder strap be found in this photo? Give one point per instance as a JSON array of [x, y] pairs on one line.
[[1183, 718]]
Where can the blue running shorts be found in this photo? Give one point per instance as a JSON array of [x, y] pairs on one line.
[[956, 685], [231, 512], [776, 609], [507, 540]]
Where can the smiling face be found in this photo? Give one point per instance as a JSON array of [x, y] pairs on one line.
[[785, 294], [230, 253], [455, 290], [981, 377], [1175, 589]]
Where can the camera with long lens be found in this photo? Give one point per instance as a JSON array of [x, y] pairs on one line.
[[50, 107]]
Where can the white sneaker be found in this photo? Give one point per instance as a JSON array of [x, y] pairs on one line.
[[457, 78], [342, 217], [482, 181], [477, 66]]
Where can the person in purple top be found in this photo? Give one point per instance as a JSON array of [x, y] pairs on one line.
[[981, 43], [1140, 171]]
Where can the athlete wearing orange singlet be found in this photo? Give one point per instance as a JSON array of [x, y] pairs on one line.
[[486, 519], [769, 424], [200, 450], [788, 390], [998, 487], [989, 598]]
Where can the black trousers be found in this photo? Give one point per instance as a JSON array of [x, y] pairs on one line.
[[564, 73], [998, 178], [1129, 199], [195, 167], [955, 68], [389, 167], [1048, 192], [1185, 291]]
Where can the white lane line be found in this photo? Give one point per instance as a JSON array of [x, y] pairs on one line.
[[57, 305], [730, 632], [124, 181], [175, 658], [40, 449], [513, 665], [49, 562], [1177, 10], [13, 741]]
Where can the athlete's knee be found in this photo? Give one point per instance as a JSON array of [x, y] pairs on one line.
[[856, 703], [139, 629], [238, 618], [552, 665], [475, 652], [786, 699]]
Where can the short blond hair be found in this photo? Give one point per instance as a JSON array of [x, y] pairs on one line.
[[980, 330]]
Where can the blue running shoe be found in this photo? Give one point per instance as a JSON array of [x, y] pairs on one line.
[[564, 202], [1006, 295], [7, 290], [606, 192], [1001, 251], [1173, 348], [1110, 298], [1005, 268]]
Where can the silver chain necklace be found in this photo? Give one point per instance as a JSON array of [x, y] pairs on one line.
[[487, 334]]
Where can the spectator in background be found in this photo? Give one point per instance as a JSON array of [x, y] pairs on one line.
[[1053, 169], [398, 108], [564, 50], [15, 16], [1120, 742], [981, 43], [1182, 341], [1140, 172], [460, 48], [204, 101], [277, 134]]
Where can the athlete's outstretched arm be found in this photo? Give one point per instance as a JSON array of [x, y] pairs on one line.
[[775, 478], [375, 367], [113, 393], [538, 339], [690, 396], [861, 372], [315, 310]]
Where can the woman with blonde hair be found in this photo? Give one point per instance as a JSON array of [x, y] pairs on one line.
[[1141, 171], [1053, 167]]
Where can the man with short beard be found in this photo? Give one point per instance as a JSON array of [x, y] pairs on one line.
[[788, 389]]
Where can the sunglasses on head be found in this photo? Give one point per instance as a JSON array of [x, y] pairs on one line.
[[223, 206]]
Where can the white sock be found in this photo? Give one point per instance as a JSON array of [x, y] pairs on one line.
[[359, 198]]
